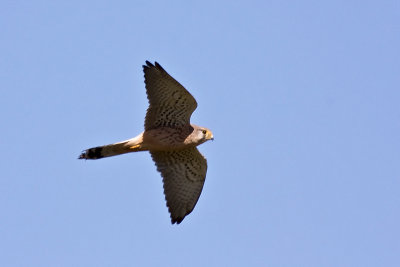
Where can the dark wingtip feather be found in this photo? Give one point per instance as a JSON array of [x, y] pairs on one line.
[[149, 64], [177, 220], [158, 66]]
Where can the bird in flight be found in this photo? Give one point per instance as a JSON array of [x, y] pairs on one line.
[[171, 140]]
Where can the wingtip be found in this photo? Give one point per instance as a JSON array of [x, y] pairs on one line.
[[151, 65], [148, 65], [158, 66], [177, 220]]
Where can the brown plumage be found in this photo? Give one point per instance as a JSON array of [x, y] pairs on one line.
[[170, 139]]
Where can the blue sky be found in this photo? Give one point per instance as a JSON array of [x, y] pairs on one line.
[[302, 98]]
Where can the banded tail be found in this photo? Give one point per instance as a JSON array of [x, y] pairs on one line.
[[131, 145]]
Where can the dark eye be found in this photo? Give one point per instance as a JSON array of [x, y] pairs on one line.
[[204, 131]]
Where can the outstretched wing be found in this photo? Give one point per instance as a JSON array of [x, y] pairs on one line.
[[184, 172], [170, 104]]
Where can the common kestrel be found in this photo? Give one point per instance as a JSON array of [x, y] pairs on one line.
[[170, 139]]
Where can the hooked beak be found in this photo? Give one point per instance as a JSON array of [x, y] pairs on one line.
[[209, 136]]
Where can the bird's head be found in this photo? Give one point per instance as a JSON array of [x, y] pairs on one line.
[[202, 134]]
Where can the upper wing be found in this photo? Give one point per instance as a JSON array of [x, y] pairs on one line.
[[184, 173], [170, 104]]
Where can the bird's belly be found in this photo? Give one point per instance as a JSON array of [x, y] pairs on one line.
[[163, 139]]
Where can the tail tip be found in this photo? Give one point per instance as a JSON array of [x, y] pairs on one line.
[[91, 153], [83, 155]]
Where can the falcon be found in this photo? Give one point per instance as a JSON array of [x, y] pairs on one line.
[[171, 140]]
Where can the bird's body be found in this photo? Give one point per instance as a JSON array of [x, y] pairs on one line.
[[170, 139], [160, 139]]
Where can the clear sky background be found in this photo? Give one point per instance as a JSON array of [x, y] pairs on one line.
[[302, 98]]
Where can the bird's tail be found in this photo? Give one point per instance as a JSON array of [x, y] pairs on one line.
[[131, 145]]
